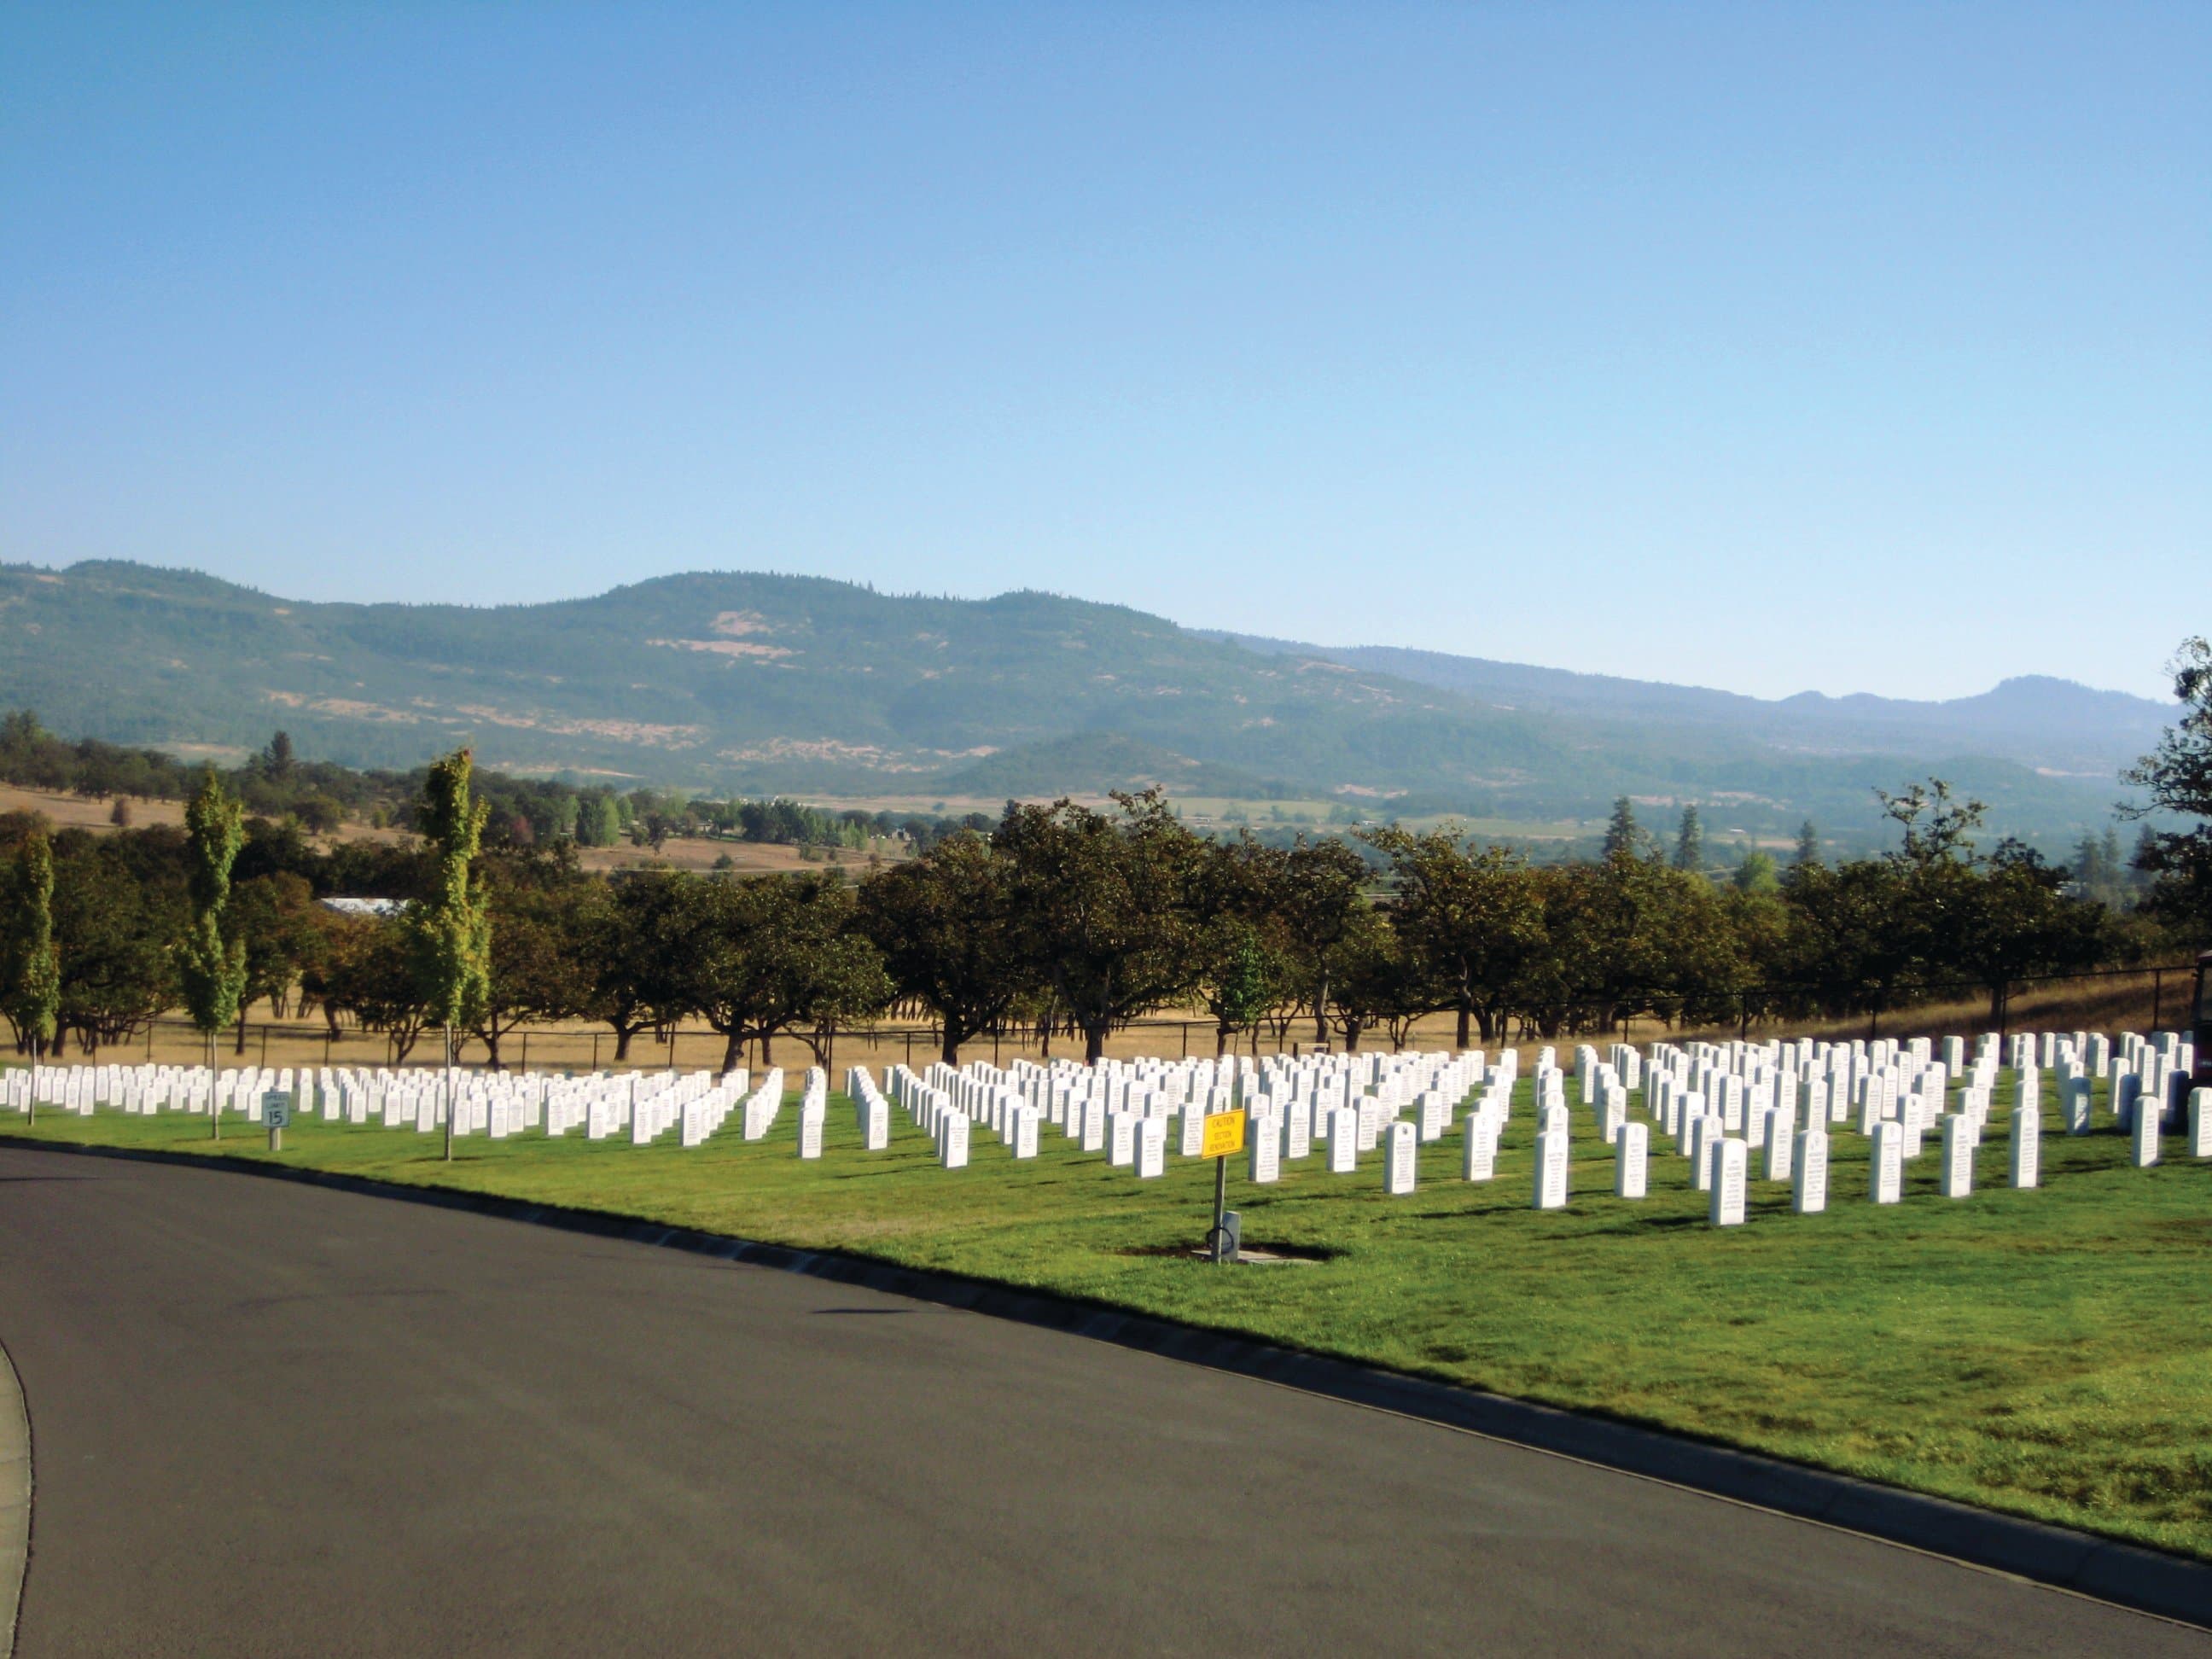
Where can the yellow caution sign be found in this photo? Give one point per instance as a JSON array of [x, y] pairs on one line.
[[1224, 1133]]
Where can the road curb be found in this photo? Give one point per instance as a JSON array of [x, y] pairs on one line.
[[2128, 1575], [14, 1501]]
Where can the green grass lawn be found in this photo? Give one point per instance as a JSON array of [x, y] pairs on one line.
[[2046, 1353]]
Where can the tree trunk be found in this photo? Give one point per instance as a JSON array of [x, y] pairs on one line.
[[1094, 1044], [239, 1047], [215, 1103], [734, 1049], [1466, 1017], [950, 1037], [1221, 1035], [1320, 1013], [623, 1035]]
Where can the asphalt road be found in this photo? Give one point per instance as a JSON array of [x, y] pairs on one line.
[[270, 1418]]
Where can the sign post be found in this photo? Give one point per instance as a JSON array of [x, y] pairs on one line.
[[1224, 1136], [276, 1112]]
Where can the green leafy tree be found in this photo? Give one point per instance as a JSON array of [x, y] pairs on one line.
[[270, 914], [2178, 775], [1938, 826], [1378, 983], [2012, 919], [211, 968], [120, 906], [451, 930], [945, 924], [1107, 907], [1474, 920], [33, 962], [1756, 873], [370, 969], [1319, 895], [538, 970], [614, 933], [757, 958]]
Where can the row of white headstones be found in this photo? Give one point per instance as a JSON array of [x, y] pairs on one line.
[[1719, 1104]]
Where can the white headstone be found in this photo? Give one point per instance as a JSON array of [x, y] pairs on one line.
[[1481, 1131], [1630, 1150], [2027, 1145], [1152, 1147], [1401, 1143], [1956, 1178], [1551, 1171], [1781, 1142], [2144, 1139], [1727, 1191], [2200, 1123], [1886, 1167], [1263, 1150], [1808, 1183]]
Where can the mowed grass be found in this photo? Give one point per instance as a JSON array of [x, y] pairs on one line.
[[2045, 1352]]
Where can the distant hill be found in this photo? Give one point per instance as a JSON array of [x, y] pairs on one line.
[[763, 683], [2039, 721]]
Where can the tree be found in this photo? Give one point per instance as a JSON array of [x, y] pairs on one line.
[[2178, 775], [1623, 834], [451, 931], [1239, 976], [2012, 920], [269, 916], [1472, 920], [1318, 895], [277, 758], [1808, 844], [1105, 907], [1378, 983], [757, 957], [1757, 874], [34, 965], [1936, 827], [613, 933], [945, 924], [120, 906], [369, 968], [211, 968], [1690, 840], [536, 968]]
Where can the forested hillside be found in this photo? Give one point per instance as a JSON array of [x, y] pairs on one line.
[[760, 684]]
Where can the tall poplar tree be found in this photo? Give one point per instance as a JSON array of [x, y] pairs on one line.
[[451, 930], [210, 968]]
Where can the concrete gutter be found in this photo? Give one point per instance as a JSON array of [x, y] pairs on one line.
[[2128, 1575]]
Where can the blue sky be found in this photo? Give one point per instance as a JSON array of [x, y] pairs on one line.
[[1764, 346]]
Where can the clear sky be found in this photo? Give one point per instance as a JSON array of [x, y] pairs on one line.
[[1768, 347]]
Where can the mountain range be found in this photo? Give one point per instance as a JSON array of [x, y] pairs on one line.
[[765, 683]]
